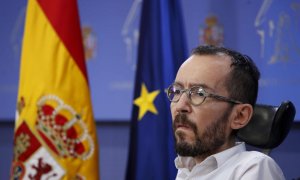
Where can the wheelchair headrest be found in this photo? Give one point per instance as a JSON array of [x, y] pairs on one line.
[[269, 125]]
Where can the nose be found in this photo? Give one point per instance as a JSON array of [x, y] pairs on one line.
[[183, 105]]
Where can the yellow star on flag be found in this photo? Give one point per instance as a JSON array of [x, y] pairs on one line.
[[145, 101]]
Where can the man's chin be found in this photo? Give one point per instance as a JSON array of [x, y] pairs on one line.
[[184, 140], [184, 149], [184, 135]]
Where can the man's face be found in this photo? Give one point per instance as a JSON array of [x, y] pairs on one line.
[[202, 130]]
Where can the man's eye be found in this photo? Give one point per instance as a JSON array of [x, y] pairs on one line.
[[176, 91], [200, 93]]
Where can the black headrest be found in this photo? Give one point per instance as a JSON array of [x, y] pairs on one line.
[[269, 125]]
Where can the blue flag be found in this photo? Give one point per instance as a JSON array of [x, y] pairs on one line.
[[161, 50]]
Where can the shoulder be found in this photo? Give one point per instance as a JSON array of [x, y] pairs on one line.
[[255, 157], [258, 165]]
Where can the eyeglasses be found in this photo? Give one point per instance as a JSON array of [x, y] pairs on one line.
[[196, 95]]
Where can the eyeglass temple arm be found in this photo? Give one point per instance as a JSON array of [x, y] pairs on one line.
[[225, 99]]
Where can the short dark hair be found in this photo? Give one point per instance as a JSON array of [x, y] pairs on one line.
[[242, 82]]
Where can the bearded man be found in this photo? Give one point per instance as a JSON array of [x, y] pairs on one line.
[[212, 97]]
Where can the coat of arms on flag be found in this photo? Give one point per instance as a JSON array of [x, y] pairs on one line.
[[31, 160], [63, 129]]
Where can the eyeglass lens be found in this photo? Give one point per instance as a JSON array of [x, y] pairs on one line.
[[195, 94]]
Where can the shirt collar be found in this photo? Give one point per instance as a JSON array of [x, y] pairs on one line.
[[223, 156], [185, 162]]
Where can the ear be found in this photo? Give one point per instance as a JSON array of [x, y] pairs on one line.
[[242, 115]]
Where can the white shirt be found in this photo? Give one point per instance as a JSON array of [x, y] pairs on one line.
[[232, 164]]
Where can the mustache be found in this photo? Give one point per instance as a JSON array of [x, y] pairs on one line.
[[182, 119]]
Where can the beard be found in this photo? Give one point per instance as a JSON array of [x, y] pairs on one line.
[[212, 138]]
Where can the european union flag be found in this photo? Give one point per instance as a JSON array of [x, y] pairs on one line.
[[162, 48]]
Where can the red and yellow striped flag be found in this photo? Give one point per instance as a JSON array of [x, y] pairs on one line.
[[55, 134]]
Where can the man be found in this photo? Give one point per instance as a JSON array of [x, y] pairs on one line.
[[212, 97]]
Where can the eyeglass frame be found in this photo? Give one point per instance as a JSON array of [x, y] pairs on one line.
[[206, 94]]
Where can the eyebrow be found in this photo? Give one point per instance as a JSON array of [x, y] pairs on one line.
[[204, 86]]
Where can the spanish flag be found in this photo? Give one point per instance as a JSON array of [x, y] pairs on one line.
[[55, 134]]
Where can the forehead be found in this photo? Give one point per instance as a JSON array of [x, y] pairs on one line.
[[209, 70]]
